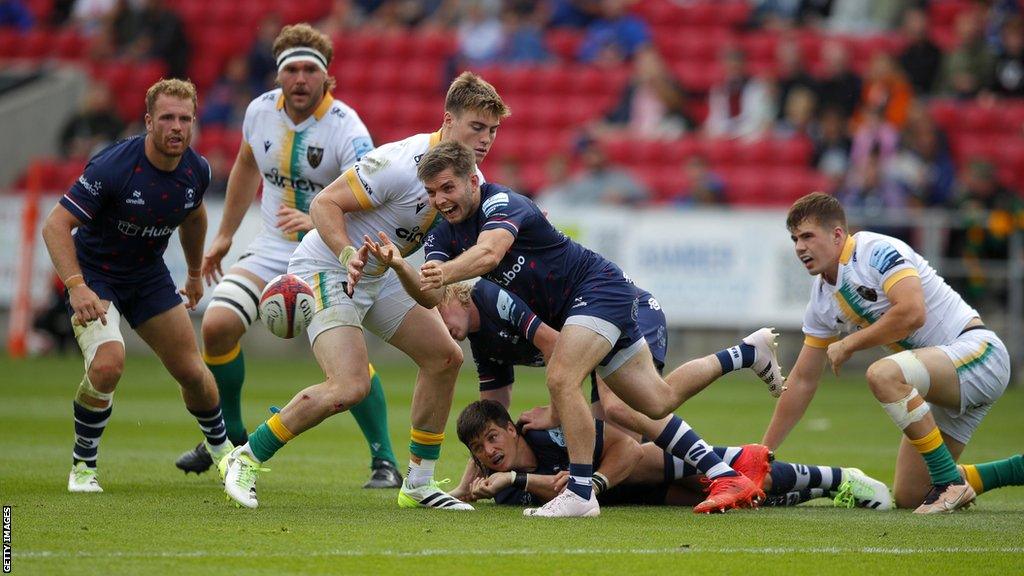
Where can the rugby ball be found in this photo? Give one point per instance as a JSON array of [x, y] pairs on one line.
[[287, 306]]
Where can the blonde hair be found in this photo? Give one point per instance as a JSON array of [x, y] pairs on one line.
[[822, 209], [461, 292], [183, 89], [446, 155], [304, 35], [471, 92]]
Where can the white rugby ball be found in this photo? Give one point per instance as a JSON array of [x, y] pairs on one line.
[[287, 306]]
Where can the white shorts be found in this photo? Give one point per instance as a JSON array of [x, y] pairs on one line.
[[267, 256], [983, 365], [379, 303]]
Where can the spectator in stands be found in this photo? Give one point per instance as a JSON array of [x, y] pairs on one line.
[[14, 14], [870, 193], [510, 174], [599, 182], [990, 213], [702, 187], [260, 59], [970, 66], [573, 13], [93, 126], [921, 59], [91, 16], [865, 17], [225, 103], [775, 14], [885, 91], [124, 24], [875, 136], [1009, 67], [345, 16], [832, 144], [615, 37], [923, 166], [651, 105], [163, 37], [814, 13], [798, 120], [524, 34], [480, 34], [839, 85], [741, 106], [556, 179], [791, 72]]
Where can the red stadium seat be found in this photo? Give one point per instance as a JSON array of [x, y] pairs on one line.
[[9, 40], [563, 43]]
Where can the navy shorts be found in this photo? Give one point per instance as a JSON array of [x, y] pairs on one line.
[[137, 301], [654, 326], [608, 295]]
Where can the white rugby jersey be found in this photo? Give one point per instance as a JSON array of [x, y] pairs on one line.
[[297, 161], [393, 200], [869, 266]]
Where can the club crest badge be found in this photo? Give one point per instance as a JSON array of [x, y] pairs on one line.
[[314, 155]]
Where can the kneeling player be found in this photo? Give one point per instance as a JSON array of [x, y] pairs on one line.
[[530, 467]]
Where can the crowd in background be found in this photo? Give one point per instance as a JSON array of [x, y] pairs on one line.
[[871, 131]]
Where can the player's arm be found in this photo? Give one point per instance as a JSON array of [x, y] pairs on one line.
[[61, 246], [243, 183], [328, 211], [905, 316], [478, 260], [620, 455], [801, 384], [192, 233]]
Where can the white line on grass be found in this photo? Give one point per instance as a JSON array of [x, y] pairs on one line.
[[523, 552]]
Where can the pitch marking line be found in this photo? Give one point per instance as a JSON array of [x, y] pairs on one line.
[[527, 552]]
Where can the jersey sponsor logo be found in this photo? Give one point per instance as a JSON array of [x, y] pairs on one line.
[[371, 165], [414, 236], [884, 258], [337, 111], [868, 294], [266, 145], [136, 199], [579, 302], [495, 202], [506, 306], [279, 180], [506, 277], [361, 146], [653, 303], [190, 198], [129, 229], [420, 206], [314, 154], [268, 96], [93, 188]]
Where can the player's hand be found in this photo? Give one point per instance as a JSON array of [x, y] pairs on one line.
[[431, 275], [355, 269], [838, 354], [385, 250], [87, 305], [462, 493], [291, 220], [539, 418], [193, 291], [211, 270], [490, 486]]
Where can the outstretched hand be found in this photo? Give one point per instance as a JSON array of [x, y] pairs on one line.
[[385, 251], [355, 269]]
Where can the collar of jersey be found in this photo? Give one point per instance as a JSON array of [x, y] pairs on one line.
[[435, 139], [321, 110], [847, 253]]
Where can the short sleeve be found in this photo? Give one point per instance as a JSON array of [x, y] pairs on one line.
[[506, 212], [375, 178], [514, 311], [354, 141], [888, 264], [94, 188], [437, 245], [817, 332]]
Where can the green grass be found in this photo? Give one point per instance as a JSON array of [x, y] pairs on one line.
[[314, 518]]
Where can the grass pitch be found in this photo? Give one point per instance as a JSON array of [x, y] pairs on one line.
[[314, 517]]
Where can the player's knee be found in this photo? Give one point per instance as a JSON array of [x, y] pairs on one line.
[[882, 375], [447, 359], [616, 411], [105, 372], [344, 393], [220, 332], [190, 375]]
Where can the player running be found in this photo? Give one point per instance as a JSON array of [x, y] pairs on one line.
[[380, 192], [106, 239], [947, 370], [296, 139]]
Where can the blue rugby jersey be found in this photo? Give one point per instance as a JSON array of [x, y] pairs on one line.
[[552, 457], [129, 208], [543, 266]]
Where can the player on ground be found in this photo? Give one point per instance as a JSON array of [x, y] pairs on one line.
[[125, 206], [381, 192], [524, 467], [944, 377], [503, 331], [296, 139], [493, 232]]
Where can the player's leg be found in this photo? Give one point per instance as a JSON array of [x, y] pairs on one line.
[[902, 383], [233, 308], [103, 349], [372, 416], [912, 480], [169, 334], [422, 336], [580, 347], [637, 382]]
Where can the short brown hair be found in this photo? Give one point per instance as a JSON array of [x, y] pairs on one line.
[[823, 209], [461, 292], [303, 34], [471, 92], [183, 89], [473, 419], [446, 155]]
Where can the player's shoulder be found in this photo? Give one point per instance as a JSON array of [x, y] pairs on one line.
[[494, 198], [340, 112], [118, 159], [879, 251], [197, 164], [407, 150], [266, 102], [395, 160]]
